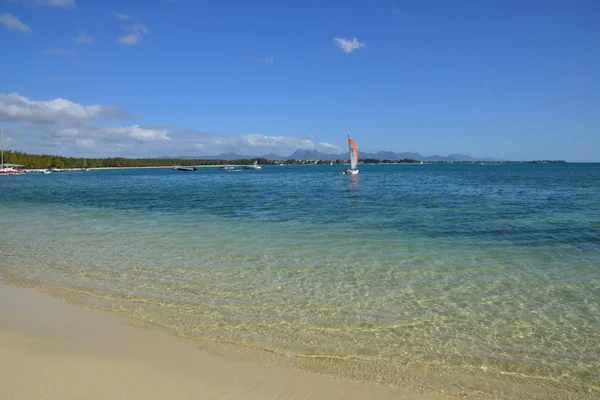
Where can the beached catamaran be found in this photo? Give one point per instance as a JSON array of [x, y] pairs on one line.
[[6, 169], [353, 157]]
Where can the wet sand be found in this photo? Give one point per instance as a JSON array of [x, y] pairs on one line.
[[53, 350]]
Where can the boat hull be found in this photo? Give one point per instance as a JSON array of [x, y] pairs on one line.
[[7, 171]]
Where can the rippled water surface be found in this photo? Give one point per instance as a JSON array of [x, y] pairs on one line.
[[479, 273]]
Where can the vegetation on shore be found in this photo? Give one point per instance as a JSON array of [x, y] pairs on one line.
[[44, 161]]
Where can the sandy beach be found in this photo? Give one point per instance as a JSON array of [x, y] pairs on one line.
[[53, 350]]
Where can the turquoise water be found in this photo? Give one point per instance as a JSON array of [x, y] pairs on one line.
[[476, 279]]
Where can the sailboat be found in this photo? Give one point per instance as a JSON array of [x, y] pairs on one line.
[[6, 169], [353, 157]]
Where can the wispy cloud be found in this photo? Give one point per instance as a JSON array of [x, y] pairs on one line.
[[56, 52], [82, 38], [136, 29], [20, 109], [48, 3], [63, 126], [347, 45], [130, 38], [11, 22], [267, 60], [57, 3], [329, 147], [123, 16]]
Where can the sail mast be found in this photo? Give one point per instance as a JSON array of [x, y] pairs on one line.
[[2, 146]]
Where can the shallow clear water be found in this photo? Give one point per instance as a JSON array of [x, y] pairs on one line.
[[431, 267]]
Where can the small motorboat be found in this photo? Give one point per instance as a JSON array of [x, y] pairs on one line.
[[188, 169]]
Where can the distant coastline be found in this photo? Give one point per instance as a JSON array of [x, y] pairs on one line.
[[35, 162]]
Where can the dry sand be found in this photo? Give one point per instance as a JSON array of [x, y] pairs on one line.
[[52, 350]]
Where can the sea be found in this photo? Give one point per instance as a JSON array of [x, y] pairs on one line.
[[480, 281]]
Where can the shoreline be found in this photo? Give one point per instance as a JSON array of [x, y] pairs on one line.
[[49, 326], [52, 349], [105, 168]]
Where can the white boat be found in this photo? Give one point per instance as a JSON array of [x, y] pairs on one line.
[[6, 169], [226, 168], [353, 157], [10, 169], [253, 166]]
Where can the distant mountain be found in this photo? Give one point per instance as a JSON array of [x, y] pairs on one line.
[[272, 156], [303, 154], [466, 157]]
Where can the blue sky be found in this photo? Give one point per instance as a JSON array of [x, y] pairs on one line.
[[507, 79]]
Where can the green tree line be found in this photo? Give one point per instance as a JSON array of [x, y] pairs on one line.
[[43, 161]]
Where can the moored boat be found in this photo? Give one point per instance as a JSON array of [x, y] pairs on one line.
[[253, 166], [7, 169]]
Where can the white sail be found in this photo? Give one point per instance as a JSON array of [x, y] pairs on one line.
[[353, 153]]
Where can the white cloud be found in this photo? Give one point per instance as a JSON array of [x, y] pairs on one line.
[[267, 60], [324, 146], [138, 133], [348, 46], [136, 30], [130, 38], [273, 142], [11, 22], [86, 143], [60, 126], [20, 109], [123, 16], [191, 142], [104, 133], [137, 27], [84, 39]]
